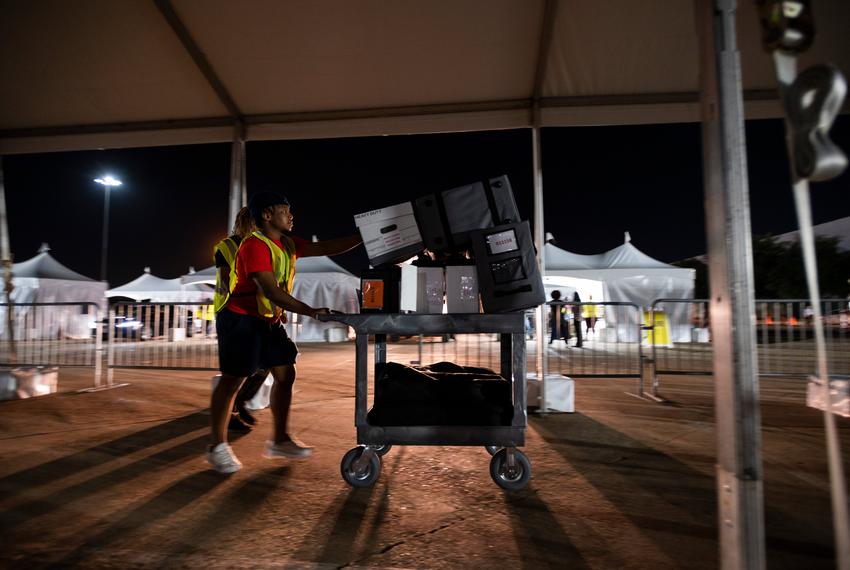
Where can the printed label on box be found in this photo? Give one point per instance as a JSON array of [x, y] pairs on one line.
[[389, 235], [373, 294], [377, 216]]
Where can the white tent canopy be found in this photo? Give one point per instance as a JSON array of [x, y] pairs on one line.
[[206, 275], [148, 287], [42, 279], [320, 282], [628, 275]]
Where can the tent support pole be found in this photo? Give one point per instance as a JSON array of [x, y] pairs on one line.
[[539, 242], [6, 258], [738, 421], [238, 188]]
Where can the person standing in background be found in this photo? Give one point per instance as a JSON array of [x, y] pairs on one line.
[[590, 315], [558, 318], [577, 318]]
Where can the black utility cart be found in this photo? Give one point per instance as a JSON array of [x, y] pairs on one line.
[[509, 468]]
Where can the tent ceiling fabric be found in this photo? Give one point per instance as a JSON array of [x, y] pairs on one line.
[[99, 73]]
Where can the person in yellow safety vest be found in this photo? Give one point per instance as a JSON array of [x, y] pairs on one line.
[[250, 324], [591, 313], [224, 255]]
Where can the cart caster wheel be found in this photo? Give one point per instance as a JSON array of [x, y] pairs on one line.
[[364, 478], [382, 450], [506, 478], [492, 449]]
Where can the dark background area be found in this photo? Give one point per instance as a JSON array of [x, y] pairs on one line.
[[598, 183]]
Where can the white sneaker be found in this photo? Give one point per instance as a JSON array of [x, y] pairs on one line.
[[222, 459], [291, 449]]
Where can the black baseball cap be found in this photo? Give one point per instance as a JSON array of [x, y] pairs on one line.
[[262, 200]]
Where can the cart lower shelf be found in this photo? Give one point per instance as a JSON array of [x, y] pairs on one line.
[[501, 436]]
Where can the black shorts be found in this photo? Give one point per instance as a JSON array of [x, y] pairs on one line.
[[247, 344]]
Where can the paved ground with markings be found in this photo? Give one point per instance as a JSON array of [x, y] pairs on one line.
[[116, 479]]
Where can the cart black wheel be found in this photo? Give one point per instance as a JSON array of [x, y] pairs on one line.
[[363, 478], [492, 449], [510, 480], [382, 450]]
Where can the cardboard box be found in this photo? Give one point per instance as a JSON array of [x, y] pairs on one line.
[[422, 289], [462, 289], [389, 234]]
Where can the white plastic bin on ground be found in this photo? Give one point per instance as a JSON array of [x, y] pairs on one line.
[[560, 392], [20, 383], [261, 399], [336, 334]]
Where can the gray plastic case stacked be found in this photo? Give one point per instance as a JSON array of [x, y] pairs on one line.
[[507, 280], [447, 219]]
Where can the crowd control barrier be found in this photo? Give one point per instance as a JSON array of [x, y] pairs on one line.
[[50, 335], [670, 337], [784, 338], [610, 344], [175, 336]]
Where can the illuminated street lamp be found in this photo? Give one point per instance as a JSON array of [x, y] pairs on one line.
[[108, 182]]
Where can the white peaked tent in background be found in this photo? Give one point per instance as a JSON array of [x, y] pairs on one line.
[[624, 274], [42, 279], [148, 287], [207, 276], [319, 282]]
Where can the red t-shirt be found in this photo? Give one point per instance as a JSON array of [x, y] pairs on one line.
[[253, 257]]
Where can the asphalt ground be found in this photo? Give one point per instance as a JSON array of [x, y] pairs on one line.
[[116, 479]]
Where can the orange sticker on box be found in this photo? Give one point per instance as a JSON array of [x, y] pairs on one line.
[[373, 294]]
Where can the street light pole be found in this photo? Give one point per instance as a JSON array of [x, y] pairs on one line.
[[107, 182]]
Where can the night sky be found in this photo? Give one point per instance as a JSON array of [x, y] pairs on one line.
[[598, 182]]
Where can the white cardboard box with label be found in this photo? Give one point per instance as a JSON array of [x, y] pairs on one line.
[[389, 234]]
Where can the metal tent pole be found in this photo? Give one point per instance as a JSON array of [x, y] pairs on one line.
[[238, 190], [539, 242], [739, 469], [6, 259]]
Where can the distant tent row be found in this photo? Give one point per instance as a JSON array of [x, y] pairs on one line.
[[148, 287], [623, 274]]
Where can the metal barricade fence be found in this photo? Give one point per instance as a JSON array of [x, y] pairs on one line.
[[52, 334], [468, 349], [610, 334], [178, 336], [784, 337]]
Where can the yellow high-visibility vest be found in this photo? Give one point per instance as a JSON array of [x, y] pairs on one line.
[[228, 248], [283, 267]]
